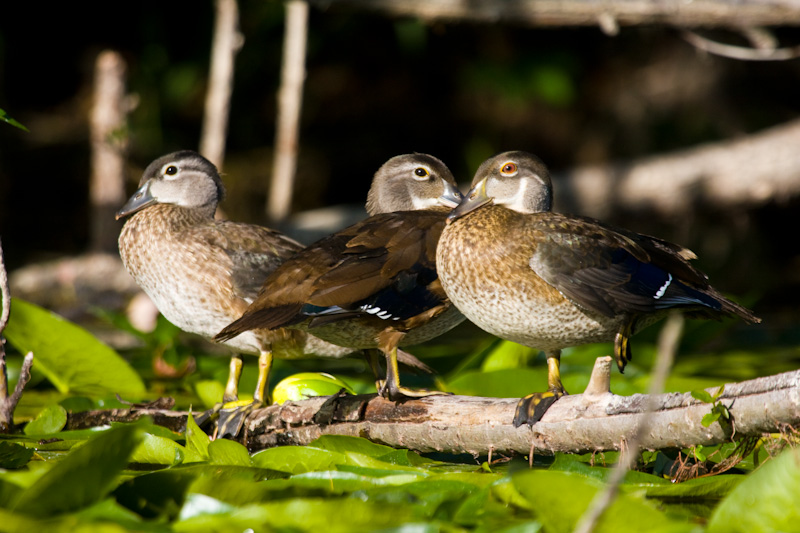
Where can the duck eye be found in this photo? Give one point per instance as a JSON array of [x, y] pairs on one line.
[[171, 170], [509, 169], [421, 173]]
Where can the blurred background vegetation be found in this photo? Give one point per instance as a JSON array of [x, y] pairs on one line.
[[379, 86]]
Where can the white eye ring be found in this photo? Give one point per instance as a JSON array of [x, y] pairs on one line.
[[170, 171], [422, 174]]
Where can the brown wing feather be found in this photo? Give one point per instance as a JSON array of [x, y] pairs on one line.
[[346, 267]]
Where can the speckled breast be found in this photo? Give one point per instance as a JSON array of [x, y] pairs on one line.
[[483, 265]]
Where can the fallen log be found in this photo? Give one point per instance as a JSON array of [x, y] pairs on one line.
[[594, 421]]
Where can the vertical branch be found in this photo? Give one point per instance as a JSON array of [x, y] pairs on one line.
[[290, 98], [667, 346], [108, 142], [227, 42], [9, 403], [5, 311]]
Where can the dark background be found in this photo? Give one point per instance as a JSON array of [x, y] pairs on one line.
[[377, 87]]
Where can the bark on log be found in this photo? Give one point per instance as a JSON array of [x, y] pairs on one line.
[[594, 421], [707, 13]]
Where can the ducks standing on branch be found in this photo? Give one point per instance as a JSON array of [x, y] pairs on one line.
[[550, 281], [202, 273], [373, 284]]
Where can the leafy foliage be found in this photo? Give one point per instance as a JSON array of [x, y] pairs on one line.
[[142, 477], [70, 357]]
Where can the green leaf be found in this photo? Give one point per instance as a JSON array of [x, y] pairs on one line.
[[196, 441], [51, 419], [69, 356], [560, 499], [307, 385], [228, 452], [158, 494], [158, 451], [344, 444], [765, 501], [84, 476], [13, 455], [702, 395], [210, 391], [719, 393], [715, 488], [709, 419], [5, 118], [297, 459], [506, 355], [566, 462], [333, 515]]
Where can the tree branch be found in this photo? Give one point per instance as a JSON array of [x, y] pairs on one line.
[[109, 142], [226, 44], [466, 424], [709, 174], [719, 13], [290, 101]]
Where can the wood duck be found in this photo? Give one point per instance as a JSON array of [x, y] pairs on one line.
[[202, 273], [373, 284], [550, 281]]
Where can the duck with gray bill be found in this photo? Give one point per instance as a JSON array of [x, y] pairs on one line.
[[550, 281], [202, 273], [373, 284]]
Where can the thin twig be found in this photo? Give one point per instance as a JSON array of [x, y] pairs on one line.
[[290, 99], [227, 42], [4, 292], [740, 52], [9, 403], [667, 346], [5, 295]]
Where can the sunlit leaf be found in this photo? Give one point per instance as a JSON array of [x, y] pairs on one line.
[[508, 354], [332, 515], [710, 418], [559, 500], [297, 459], [702, 395], [210, 391], [387, 454], [196, 441], [200, 504], [68, 355], [765, 501], [158, 451], [308, 385], [228, 452], [84, 476], [51, 419]]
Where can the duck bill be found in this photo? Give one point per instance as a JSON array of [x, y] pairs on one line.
[[451, 197], [475, 198], [140, 199]]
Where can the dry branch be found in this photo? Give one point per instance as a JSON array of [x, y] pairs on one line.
[[109, 144], [710, 174], [466, 424], [290, 101], [226, 44], [718, 13]]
